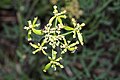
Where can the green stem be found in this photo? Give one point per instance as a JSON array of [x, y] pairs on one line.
[[20, 28], [32, 7], [67, 33], [55, 21], [97, 11], [103, 7], [55, 24]]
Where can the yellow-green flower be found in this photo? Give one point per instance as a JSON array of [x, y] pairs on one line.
[[57, 16], [75, 30], [31, 28], [38, 48], [54, 61], [67, 46]]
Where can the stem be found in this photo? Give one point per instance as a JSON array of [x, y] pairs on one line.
[[20, 28], [65, 41], [67, 33], [55, 21], [103, 7], [97, 11], [32, 7]]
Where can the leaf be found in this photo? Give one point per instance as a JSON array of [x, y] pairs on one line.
[[47, 67], [36, 25], [63, 16], [49, 58], [29, 23], [44, 52], [27, 28], [80, 37], [35, 20], [72, 48], [38, 32], [29, 32], [43, 43], [68, 28], [59, 20], [34, 45], [61, 66], [29, 35], [73, 44], [36, 51], [54, 66], [74, 34], [54, 54], [51, 19], [58, 59]]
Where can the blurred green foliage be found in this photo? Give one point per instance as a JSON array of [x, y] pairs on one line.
[[97, 60], [5, 3]]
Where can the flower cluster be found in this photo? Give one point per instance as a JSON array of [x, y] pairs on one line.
[[54, 36]]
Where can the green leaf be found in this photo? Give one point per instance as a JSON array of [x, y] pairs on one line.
[[43, 43], [58, 59], [74, 34], [80, 37], [68, 28], [72, 48], [44, 52], [54, 66], [73, 44], [34, 45], [36, 51], [51, 19], [36, 25], [49, 58], [35, 20], [59, 20], [29, 23], [38, 32], [29, 35], [47, 67], [54, 54], [61, 66], [63, 16]]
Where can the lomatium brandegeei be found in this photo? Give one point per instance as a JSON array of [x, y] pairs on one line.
[[54, 36]]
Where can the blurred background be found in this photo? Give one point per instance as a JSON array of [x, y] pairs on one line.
[[98, 59]]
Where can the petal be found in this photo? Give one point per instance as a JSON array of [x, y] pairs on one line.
[[29, 35], [47, 67], [34, 45], [38, 32], [68, 28], [54, 54], [35, 20], [51, 20], [37, 50], [80, 37]]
